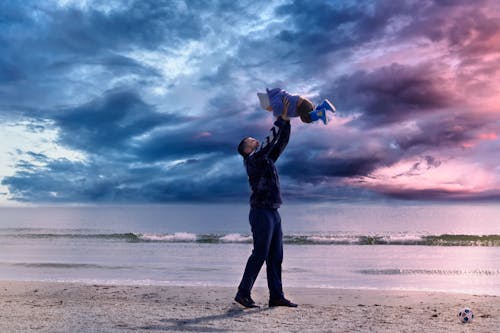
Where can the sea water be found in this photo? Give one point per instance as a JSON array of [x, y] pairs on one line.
[[436, 247]]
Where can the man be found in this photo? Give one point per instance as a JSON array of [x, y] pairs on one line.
[[264, 217]]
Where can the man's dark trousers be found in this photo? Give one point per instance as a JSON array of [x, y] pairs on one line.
[[268, 247]]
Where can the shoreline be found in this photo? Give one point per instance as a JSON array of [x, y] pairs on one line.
[[78, 307], [170, 284]]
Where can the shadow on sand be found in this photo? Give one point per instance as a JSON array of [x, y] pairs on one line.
[[200, 324]]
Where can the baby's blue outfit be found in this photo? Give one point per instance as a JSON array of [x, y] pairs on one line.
[[276, 96]]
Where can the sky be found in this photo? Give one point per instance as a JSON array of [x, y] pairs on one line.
[[146, 101]]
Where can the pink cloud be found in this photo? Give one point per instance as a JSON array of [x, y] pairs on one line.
[[488, 136], [203, 135], [453, 177]]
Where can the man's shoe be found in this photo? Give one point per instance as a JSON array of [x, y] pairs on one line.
[[326, 104], [247, 302], [281, 302]]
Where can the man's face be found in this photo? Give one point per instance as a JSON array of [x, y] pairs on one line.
[[251, 145]]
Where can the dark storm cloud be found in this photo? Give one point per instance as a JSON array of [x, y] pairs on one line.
[[316, 28], [109, 122], [445, 132], [452, 21], [140, 24], [428, 162], [95, 180], [46, 44], [10, 72], [393, 93], [121, 123], [304, 167], [143, 23], [324, 24], [182, 144], [440, 195], [314, 35], [218, 131]]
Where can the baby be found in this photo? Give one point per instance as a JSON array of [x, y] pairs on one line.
[[298, 106]]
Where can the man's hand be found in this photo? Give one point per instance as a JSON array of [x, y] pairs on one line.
[[284, 113]]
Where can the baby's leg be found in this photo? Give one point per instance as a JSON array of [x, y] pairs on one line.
[[304, 107]]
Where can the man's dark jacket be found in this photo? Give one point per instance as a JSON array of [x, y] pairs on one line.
[[262, 174]]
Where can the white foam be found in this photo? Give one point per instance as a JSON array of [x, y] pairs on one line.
[[402, 238], [334, 239], [235, 238], [176, 237]]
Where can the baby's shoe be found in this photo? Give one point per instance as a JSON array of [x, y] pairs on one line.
[[326, 104], [319, 114]]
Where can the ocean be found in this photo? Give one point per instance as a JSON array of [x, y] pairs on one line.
[[397, 246]]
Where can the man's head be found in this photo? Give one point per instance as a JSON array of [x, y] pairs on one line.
[[247, 146]]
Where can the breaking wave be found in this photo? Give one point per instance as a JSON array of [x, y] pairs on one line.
[[294, 239], [397, 271]]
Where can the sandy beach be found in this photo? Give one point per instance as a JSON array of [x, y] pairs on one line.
[[70, 307]]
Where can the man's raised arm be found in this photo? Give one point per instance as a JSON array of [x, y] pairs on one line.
[[277, 140], [283, 138]]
